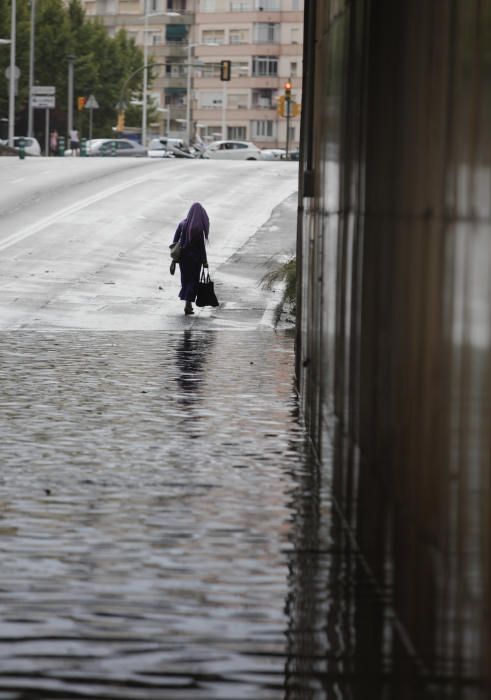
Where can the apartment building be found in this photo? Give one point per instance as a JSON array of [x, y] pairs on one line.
[[261, 38], [165, 26]]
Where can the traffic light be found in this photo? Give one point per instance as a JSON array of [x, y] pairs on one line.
[[225, 67], [81, 103], [281, 106], [120, 124], [288, 90]]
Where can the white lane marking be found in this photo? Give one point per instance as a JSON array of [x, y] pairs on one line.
[[48, 220]]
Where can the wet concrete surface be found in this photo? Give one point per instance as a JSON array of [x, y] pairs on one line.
[[147, 514]]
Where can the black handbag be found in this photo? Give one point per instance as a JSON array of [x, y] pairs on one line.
[[206, 293], [175, 251]]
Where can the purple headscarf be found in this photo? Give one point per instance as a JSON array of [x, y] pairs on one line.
[[195, 224]]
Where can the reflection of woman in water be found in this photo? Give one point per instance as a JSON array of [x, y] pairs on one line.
[[192, 232], [191, 354]]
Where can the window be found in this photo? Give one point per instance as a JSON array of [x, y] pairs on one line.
[[240, 69], [239, 36], [237, 100], [175, 33], [207, 5], [209, 99], [263, 99], [267, 33], [210, 70], [293, 69], [268, 5], [265, 65], [295, 35], [240, 6], [236, 132], [295, 4], [263, 127], [213, 36], [175, 70]]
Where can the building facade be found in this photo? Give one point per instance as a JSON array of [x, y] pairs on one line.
[[187, 40], [263, 39]]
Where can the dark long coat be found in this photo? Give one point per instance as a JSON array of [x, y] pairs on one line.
[[193, 256]]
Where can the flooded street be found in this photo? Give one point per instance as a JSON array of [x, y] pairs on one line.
[[165, 533], [147, 514]]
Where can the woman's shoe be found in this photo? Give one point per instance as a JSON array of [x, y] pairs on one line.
[[188, 310]]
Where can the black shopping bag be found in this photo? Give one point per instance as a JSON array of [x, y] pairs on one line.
[[206, 292]]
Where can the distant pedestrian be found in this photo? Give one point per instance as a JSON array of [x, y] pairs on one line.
[[75, 142], [53, 142], [192, 233]]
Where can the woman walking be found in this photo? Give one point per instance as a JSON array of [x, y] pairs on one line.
[[192, 232]]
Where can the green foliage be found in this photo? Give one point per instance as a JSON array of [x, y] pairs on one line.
[[102, 63], [287, 273]]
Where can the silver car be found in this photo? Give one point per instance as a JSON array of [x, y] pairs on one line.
[[232, 150], [117, 147]]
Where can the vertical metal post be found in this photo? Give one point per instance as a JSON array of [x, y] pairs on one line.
[[145, 76], [91, 112], [30, 114], [70, 95], [288, 103], [12, 76], [224, 111], [188, 98], [46, 132]]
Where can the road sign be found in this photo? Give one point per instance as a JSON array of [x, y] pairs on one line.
[[91, 103], [16, 72], [43, 101], [43, 90]]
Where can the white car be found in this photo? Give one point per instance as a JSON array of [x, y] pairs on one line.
[[157, 149], [31, 145], [232, 150], [273, 154]]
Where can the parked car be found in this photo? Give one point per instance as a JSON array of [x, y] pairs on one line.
[[158, 149], [31, 145], [120, 147], [294, 155], [273, 153], [232, 150]]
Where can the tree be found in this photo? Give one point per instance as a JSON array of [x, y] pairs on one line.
[[102, 63]]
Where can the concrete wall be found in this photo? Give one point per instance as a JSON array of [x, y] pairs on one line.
[[394, 329]]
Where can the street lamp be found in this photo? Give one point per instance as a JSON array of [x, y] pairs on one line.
[[30, 119], [145, 67], [188, 89], [12, 76]]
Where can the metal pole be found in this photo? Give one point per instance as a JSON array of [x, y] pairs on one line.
[[70, 96], [12, 76], [46, 132], [91, 112], [288, 105], [188, 97], [30, 114], [145, 77], [224, 111], [168, 121]]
